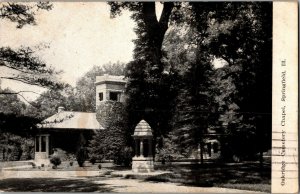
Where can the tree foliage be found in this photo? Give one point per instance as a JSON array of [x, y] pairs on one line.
[[24, 65], [48, 102], [244, 40], [15, 147], [28, 68], [111, 143], [22, 14], [10, 103], [180, 70], [148, 88]]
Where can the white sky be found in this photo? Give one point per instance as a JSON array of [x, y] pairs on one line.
[[79, 35]]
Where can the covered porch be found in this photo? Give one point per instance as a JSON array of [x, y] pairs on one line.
[[66, 130]]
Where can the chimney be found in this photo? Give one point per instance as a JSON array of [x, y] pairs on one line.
[[60, 109]]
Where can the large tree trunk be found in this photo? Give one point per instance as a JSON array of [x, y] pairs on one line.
[[156, 29]]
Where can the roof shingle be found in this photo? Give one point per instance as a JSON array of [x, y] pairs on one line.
[[72, 120]]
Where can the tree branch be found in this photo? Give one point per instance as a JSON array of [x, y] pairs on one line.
[[24, 81]]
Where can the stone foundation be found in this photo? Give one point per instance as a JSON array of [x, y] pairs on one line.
[[142, 164]]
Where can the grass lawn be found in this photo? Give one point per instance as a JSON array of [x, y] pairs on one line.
[[65, 166], [14, 163], [245, 176]]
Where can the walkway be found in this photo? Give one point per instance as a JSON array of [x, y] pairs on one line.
[[66, 181], [133, 185]]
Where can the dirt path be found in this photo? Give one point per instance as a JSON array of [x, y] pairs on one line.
[[89, 181], [134, 185]]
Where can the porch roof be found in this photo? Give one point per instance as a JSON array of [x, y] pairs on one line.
[[71, 120]]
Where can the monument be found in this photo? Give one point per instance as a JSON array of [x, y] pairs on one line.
[[143, 162]]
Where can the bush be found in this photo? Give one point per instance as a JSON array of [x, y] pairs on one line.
[[93, 160], [125, 156], [55, 160], [16, 147], [110, 144], [63, 155], [81, 156], [99, 166], [164, 156]]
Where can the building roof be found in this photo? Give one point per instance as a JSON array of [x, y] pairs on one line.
[[142, 129], [110, 78], [71, 120]]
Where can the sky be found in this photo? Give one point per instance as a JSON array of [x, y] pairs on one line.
[[78, 36]]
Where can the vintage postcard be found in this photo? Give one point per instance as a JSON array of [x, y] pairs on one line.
[[180, 97]]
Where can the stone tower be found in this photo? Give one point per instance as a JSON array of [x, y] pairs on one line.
[[110, 95], [109, 88]]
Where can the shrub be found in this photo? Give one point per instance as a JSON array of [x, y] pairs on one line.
[[62, 154], [125, 156], [164, 156], [99, 166], [55, 160], [93, 160], [16, 147], [109, 144], [81, 156]]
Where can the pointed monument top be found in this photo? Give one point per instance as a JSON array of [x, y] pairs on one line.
[[142, 129]]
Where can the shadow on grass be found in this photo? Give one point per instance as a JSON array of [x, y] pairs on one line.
[[51, 185], [247, 175]]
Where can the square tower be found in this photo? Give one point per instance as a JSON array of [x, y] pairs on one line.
[[110, 88]]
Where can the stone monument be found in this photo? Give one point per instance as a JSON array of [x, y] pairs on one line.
[[143, 162]]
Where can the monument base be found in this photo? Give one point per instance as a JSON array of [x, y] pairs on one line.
[[41, 158], [142, 164], [40, 162]]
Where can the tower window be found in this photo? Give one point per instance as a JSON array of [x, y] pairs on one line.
[[100, 96], [115, 96]]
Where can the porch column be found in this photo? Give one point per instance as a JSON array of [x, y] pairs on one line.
[[47, 146], [40, 143]]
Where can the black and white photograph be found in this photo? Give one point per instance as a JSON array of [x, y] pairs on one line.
[[141, 97]]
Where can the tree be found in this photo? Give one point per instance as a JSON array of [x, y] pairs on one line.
[[233, 32], [24, 65], [111, 144], [154, 29], [47, 103], [11, 104], [28, 68], [148, 85], [244, 40], [15, 147], [22, 14]]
